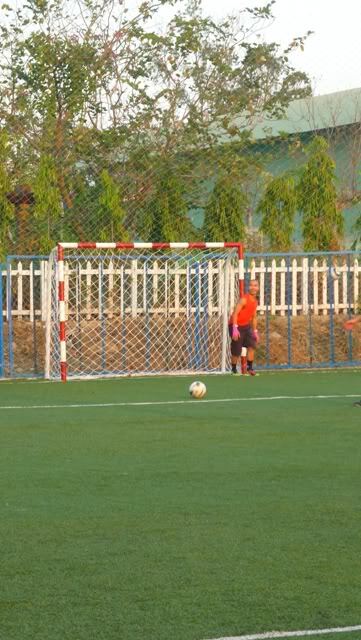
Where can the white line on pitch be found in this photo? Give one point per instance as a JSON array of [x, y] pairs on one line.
[[292, 634], [171, 402]]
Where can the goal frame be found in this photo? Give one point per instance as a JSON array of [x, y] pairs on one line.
[[119, 246]]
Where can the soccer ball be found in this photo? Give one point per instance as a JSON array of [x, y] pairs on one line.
[[335, 273], [198, 390]]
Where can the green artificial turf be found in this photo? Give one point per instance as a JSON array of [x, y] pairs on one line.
[[180, 521]]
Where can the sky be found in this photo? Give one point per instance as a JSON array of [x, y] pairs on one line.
[[332, 56]]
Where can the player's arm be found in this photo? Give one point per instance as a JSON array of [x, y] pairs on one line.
[[234, 316], [236, 310]]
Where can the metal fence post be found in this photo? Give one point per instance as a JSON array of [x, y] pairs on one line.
[[9, 316]]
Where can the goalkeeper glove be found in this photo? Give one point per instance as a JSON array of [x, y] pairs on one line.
[[235, 332]]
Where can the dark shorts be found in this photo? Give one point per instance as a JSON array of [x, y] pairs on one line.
[[246, 340]]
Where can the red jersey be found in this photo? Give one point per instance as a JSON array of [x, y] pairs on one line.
[[246, 314]]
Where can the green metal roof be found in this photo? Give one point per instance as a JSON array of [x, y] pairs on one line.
[[311, 114]]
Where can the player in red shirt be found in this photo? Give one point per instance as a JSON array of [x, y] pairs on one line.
[[243, 330]]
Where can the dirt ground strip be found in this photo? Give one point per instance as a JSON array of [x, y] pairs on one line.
[[313, 340]]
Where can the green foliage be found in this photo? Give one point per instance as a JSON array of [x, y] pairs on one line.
[[278, 208], [209, 73], [92, 88], [225, 211], [59, 73], [165, 217], [6, 208], [322, 222], [48, 204], [111, 213]]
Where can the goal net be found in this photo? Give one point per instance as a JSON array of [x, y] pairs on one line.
[[141, 308]]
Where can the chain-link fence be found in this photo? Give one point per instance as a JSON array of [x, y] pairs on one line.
[[131, 315], [155, 123], [304, 301]]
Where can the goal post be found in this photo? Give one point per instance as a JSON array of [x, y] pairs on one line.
[[140, 308]]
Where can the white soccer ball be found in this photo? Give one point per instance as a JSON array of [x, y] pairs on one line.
[[198, 390], [335, 273]]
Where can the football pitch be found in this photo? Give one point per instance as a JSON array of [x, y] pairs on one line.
[[131, 512]]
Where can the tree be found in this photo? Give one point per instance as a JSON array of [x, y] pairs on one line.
[[6, 208], [278, 208], [91, 87], [208, 74], [165, 217], [48, 204], [111, 212], [225, 212], [322, 221]]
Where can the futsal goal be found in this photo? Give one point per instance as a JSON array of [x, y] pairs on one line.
[[140, 308]]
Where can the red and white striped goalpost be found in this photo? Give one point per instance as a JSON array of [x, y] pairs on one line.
[[119, 246]]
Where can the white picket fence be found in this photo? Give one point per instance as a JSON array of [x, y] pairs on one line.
[[24, 287], [307, 284], [297, 285]]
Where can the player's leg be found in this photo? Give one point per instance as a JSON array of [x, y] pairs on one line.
[[251, 343], [236, 349], [250, 359], [243, 348], [244, 343], [244, 360], [234, 362], [357, 404]]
